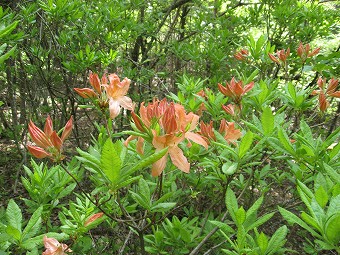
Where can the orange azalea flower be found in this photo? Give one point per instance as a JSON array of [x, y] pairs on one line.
[[329, 92], [202, 107], [95, 83], [241, 55], [281, 54], [110, 92], [207, 131], [53, 247], [49, 144], [227, 129], [231, 109], [167, 125], [303, 51], [235, 90], [116, 91]]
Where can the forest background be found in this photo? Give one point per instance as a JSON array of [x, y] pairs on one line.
[[278, 180]]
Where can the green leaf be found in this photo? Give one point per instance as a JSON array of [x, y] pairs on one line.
[[291, 218], [291, 90], [7, 54], [245, 144], [14, 215], [13, 232], [144, 189], [277, 240], [111, 162], [262, 241], [307, 132], [334, 206], [229, 168], [333, 174], [283, 137], [332, 229], [162, 207], [321, 197], [240, 216], [310, 221], [6, 30], [66, 191], [146, 161], [185, 235], [33, 225], [267, 120], [254, 207], [260, 221], [130, 180], [140, 200], [222, 226], [231, 203]]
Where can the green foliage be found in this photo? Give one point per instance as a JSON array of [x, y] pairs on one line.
[[268, 140], [246, 222], [322, 218], [13, 236]]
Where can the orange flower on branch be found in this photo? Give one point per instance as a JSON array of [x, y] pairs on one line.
[[109, 92], [282, 56], [303, 51], [202, 107], [230, 134], [241, 55], [231, 109], [227, 130], [323, 93], [53, 247], [97, 92], [166, 125], [235, 90], [49, 144], [116, 91]]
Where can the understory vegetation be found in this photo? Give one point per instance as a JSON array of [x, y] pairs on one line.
[[169, 127]]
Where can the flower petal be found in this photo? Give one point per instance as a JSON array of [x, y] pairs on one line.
[[114, 108], [95, 82], [48, 128], [38, 136], [196, 138], [67, 129], [178, 159], [56, 141], [159, 165], [38, 152], [126, 103], [248, 87], [86, 92]]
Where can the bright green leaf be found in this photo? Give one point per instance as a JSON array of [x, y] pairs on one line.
[[267, 120], [245, 144], [14, 215], [33, 224], [110, 162]]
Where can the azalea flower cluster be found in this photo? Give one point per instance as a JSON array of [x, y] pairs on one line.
[[325, 93], [241, 54], [108, 92], [303, 51], [49, 144], [235, 91], [227, 130], [165, 125]]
